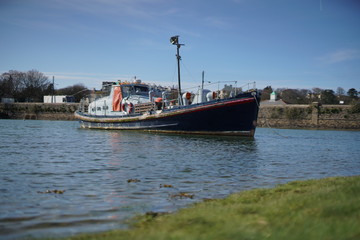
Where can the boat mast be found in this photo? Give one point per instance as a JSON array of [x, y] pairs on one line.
[[175, 41], [202, 80]]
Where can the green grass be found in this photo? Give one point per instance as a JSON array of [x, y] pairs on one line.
[[315, 209]]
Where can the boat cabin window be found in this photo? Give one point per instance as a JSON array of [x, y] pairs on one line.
[[128, 90], [141, 90]]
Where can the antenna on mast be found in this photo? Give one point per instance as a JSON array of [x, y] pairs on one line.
[[175, 41], [202, 80]]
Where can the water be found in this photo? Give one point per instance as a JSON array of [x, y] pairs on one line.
[[93, 168]]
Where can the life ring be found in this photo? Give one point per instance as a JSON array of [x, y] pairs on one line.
[[127, 107]]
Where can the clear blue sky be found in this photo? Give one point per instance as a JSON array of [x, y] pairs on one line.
[[282, 43]]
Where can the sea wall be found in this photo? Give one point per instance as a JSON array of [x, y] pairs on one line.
[[311, 116], [38, 111]]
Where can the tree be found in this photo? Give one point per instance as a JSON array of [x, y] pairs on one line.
[[34, 86], [328, 97], [79, 91], [11, 83], [6, 86], [304, 92], [340, 91], [24, 86], [314, 95], [294, 96], [316, 90], [352, 93], [265, 94]]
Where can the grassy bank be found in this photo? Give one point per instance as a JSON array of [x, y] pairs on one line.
[[315, 209]]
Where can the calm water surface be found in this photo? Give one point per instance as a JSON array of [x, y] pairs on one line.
[[93, 168]]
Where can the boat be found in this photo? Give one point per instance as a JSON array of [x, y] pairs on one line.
[[135, 105]]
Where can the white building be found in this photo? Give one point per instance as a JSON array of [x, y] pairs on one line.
[[7, 100], [273, 97], [58, 99]]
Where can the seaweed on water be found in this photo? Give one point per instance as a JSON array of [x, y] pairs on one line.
[[56, 191], [182, 195], [134, 180]]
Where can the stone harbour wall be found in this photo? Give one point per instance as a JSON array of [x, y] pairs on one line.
[[310, 116], [38, 111]]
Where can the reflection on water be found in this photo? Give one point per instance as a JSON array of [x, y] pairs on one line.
[[93, 168]]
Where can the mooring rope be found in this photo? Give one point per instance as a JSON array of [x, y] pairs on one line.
[[266, 122]]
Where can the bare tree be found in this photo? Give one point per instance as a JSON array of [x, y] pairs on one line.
[[34, 86], [36, 79], [24, 86], [316, 90], [340, 91], [11, 83]]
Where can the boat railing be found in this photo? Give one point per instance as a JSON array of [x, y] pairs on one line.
[[84, 105], [222, 86], [251, 86], [224, 93]]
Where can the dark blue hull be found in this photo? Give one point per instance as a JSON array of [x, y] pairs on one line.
[[234, 116]]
